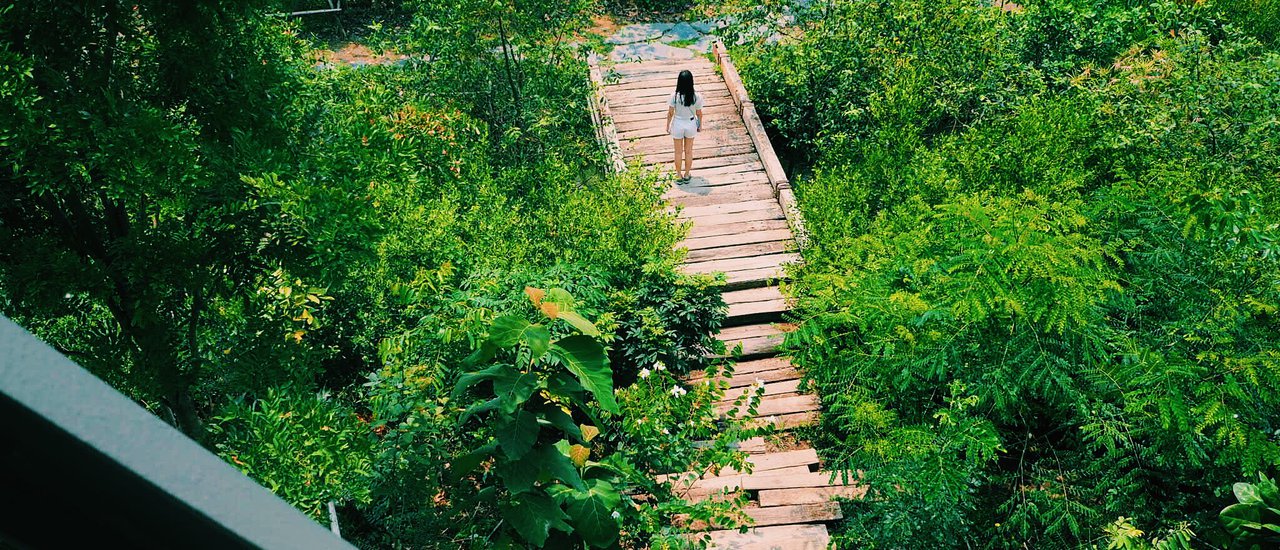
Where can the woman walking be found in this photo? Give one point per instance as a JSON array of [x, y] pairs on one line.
[[684, 119]]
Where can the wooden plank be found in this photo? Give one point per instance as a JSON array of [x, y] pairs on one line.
[[785, 515], [779, 377], [639, 71], [656, 126], [774, 537], [774, 213], [661, 116], [776, 461], [701, 80], [746, 368], [658, 110], [708, 177], [705, 162], [766, 294], [728, 208], [769, 480], [771, 389], [787, 421], [740, 264], [708, 231], [660, 106], [663, 93], [741, 192], [809, 495], [748, 237], [752, 331], [660, 63], [756, 346], [755, 312], [666, 144], [732, 175], [777, 405], [659, 155], [749, 278], [753, 445]]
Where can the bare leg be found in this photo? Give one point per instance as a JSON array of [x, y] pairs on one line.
[[688, 157], [679, 154]]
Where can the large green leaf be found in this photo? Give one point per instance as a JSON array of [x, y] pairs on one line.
[[1246, 493], [579, 322], [591, 513], [1241, 519], [520, 475], [553, 415], [533, 515], [555, 462], [538, 339], [463, 464], [518, 434], [506, 330], [472, 378], [514, 389], [1267, 491], [585, 357], [478, 408]]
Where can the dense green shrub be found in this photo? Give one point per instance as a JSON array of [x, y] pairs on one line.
[[1039, 297]]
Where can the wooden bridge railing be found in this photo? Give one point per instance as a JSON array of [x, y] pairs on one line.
[[755, 128]]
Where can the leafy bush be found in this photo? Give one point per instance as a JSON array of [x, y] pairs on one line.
[[308, 449]]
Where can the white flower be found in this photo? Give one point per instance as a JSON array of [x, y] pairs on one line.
[[678, 391], [641, 421], [615, 515], [644, 373], [759, 383], [659, 366], [773, 420], [666, 432]]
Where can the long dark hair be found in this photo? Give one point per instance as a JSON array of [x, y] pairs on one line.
[[684, 87]]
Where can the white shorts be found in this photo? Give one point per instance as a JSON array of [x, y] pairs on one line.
[[683, 128]]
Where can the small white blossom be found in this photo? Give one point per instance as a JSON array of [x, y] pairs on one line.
[[773, 420], [666, 431], [644, 373], [678, 391], [659, 366], [759, 383], [615, 515]]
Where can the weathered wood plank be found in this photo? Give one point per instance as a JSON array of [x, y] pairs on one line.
[[658, 155], [766, 294], [778, 406], [809, 495], [755, 312], [708, 231], [771, 389], [755, 346], [728, 208], [707, 80], [720, 111], [656, 126], [787, 421], [749, 278], [785, 515], [752, 331], [746, 237], [664, 93], [769, 377], [660, 106], [741, 264], [731, 175], [774, 213], [742, 192], [705, 162], [666, 144], [777, 537]]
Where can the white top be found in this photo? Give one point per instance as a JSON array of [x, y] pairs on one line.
[[683, 111]]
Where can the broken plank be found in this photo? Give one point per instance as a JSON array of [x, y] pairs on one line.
[[778, 406]]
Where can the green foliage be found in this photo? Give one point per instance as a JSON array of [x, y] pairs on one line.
[[537, 382], [308, 449], [1254, 522], [1068, 212]]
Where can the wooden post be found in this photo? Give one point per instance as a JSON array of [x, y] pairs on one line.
[[755, 129]]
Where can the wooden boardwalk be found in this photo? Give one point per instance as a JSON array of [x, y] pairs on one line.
[[744, 224]]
